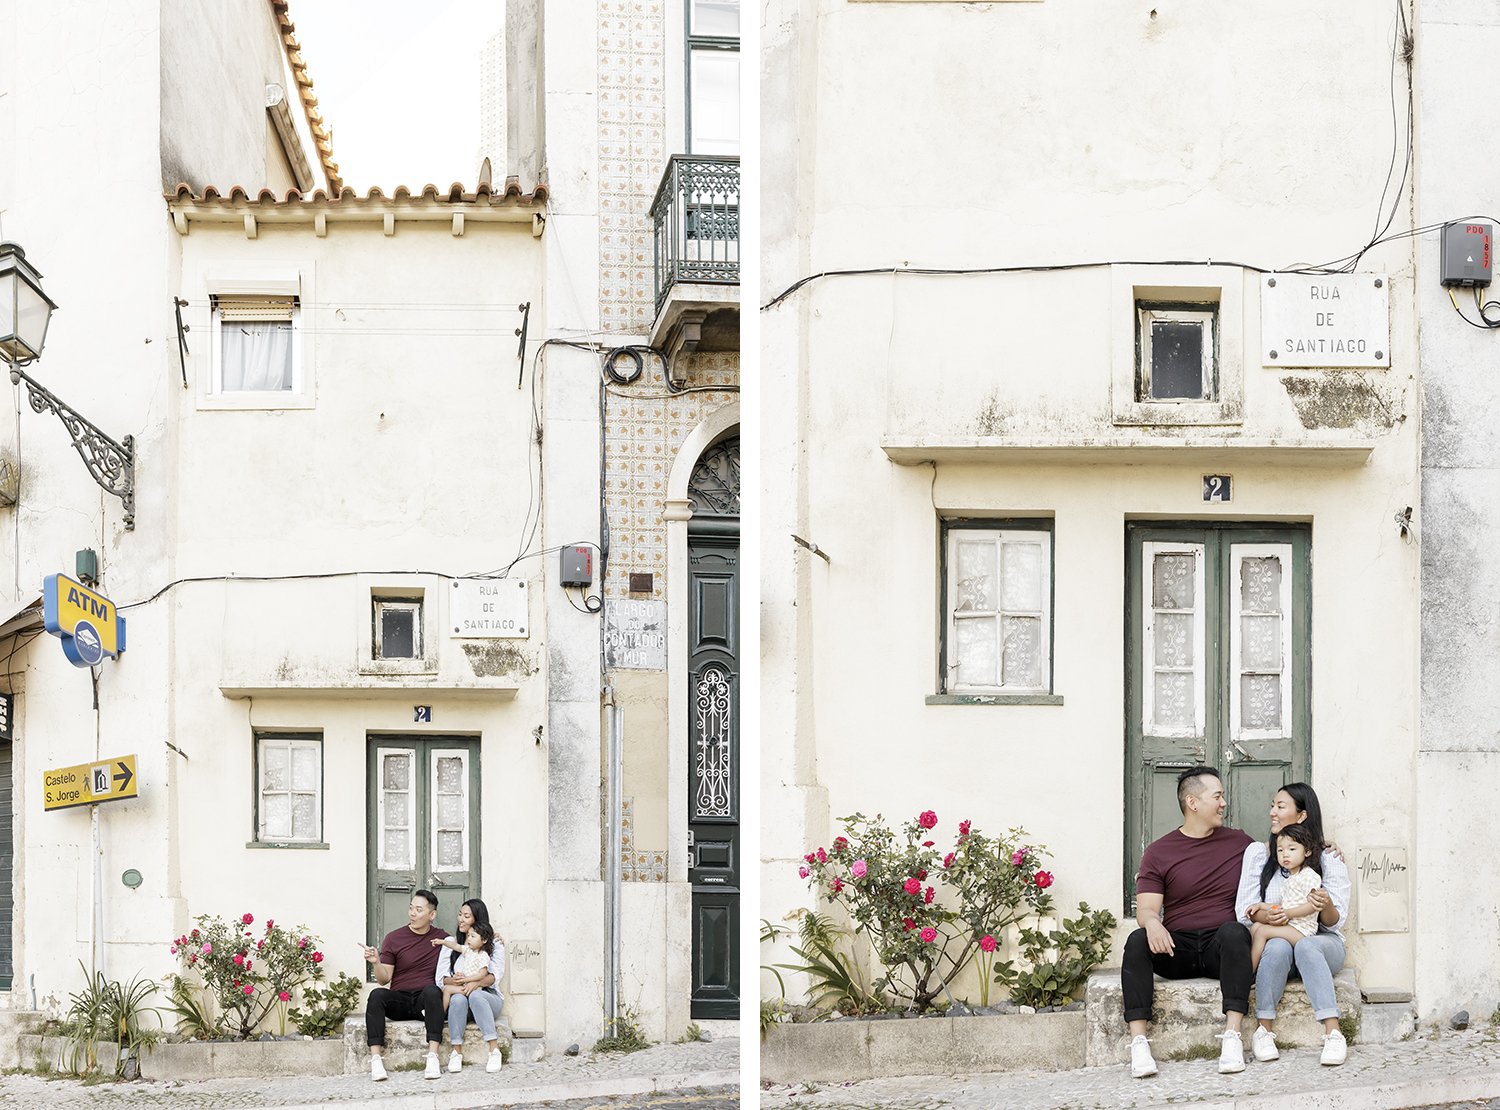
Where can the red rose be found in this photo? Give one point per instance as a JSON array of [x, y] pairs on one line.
[[810, 858], [963, 828], [928, 843], [987, 943], [838, 884], [929, 935], [948, 859], [239, 959], [908, 924], [1043, 879], [927, 898], [928, 819], [912, 886], [317, 957], [921, 872], [840, 843], [247, 919], [269, 923], [822, 856]]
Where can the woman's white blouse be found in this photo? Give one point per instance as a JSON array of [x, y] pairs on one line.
[[1335, 881]]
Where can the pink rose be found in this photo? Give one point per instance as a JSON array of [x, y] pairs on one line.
[[963, 828], [249, 989], [259, 945], [929, 935], [927, 897], [838, 884], [822, 856], [858, 870], [247, 919], [803, 872], [810, 858], [948, 859], [912, 886], [987, 943], [1043, 879], [317, 957], [1018, 857], [207, 948], [174, 949], [284, 996], [302, 943], [928, 819], [239, 959]]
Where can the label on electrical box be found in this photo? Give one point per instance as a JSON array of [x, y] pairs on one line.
[[1335, 320], [489, 609]]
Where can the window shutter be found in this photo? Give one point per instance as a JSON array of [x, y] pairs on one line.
[[255, 309]]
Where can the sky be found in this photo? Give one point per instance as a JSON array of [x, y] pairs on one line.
[[398, 85]]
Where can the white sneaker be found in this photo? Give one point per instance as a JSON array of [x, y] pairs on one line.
[[433, 1069], [456, 1061], [377, 1068], [1142, 1063], [1231, 1052], [495, 1062], [1335, 1049], [1263, 1045]]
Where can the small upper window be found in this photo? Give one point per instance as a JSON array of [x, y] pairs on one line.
[[1177, 348], [398, 628], [999, 610], [255, 344]]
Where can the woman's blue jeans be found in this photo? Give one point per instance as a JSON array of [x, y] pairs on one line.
[[1318, 958], [485, 1007]]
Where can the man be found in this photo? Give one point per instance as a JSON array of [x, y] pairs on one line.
[[407, 964], [1185, 909]]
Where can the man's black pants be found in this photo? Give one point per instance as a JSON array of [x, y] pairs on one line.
[[426, 1004], [1222, 954]]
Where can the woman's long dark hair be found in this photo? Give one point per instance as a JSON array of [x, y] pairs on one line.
[[1305, 798], [481, 914]]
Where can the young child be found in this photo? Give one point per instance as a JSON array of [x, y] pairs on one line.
[[474, 957], [1298, 855]]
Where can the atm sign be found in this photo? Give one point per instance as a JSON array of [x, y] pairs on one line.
[[68, 604]]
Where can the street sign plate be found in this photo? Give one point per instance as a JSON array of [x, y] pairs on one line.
[[86, 784]]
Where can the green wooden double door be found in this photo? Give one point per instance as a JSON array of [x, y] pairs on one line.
[[1218, 625], [423, 806]]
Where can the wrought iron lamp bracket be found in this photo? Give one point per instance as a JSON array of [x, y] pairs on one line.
[[110, 463]]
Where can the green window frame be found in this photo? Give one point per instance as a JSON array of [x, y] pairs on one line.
[[707, 43]]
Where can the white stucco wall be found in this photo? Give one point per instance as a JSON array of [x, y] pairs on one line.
[[1050, 134]]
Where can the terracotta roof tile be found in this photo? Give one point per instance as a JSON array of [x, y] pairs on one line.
[[456, 193], [322, 137]]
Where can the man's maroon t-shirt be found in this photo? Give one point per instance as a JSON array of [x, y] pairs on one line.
[[1197, 878], [415, 957]]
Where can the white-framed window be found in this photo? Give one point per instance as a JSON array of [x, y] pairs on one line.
[[289, 788], [397, 628], [713, 63], [450, 807], [1260, 641], [255, 344], [998, 634], [396, 809], [1178, 347], [1174, 640]]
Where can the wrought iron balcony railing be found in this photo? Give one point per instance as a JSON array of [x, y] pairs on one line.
[[696, 217]]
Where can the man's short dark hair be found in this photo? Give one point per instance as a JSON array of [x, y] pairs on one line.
[[431, 897], [1190, 782]]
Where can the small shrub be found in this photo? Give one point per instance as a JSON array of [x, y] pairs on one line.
[[1075, 950], [1195, 1052], [244, 979], [693, 1032], [836, 981], [1349, 1027], [773, 1011], [106, 1010], [625, 1033], [327, 1006]]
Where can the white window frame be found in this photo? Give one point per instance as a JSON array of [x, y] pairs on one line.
[[379, 606], [1238, 553], [1149, 313], [1000, 537], [382, 862], [462, 755], [292, 743], [1149, 726], [280, 281]]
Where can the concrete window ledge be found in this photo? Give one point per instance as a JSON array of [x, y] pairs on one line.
[[994, 699], [851, 1048]]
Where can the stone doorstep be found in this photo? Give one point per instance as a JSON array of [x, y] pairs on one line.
[[1188, 1013], [406, 1043], [13, 1023]]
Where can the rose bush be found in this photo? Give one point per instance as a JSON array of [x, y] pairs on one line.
[[229, 980], [925, 935]]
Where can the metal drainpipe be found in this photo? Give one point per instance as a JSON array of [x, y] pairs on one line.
[[615, 727]]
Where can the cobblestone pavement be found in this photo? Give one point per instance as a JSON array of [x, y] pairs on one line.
[[1448, 1069], [724, 1098], [589, 1079]]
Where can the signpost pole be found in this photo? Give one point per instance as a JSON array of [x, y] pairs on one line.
[[98, 893]]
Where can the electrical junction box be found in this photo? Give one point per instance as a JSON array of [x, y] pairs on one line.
[[577, 566], [1466, 254]]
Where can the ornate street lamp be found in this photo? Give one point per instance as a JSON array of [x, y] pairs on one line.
[[24, 313]]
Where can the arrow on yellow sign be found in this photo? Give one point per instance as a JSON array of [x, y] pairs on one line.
[[87, 784]]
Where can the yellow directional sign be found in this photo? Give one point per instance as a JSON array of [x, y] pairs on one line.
[[107, 780]]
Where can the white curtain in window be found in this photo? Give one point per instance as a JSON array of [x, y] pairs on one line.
[[257, 355], [716, 101]]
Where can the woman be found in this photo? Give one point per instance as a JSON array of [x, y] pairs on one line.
[[1318, 957], [480, 998]]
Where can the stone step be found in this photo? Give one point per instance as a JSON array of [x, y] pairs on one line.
[[406, 1044], [13, 1024], [1188, 1013]]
